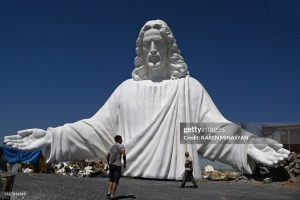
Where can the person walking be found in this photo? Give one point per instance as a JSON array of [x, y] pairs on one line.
[[188, 173], [114, 160]]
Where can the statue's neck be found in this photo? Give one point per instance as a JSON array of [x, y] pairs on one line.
[[159, 75]]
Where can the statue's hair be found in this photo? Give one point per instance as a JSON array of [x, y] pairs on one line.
[[176, 65]]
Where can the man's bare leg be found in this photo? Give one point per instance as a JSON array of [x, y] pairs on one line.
[[109, 188], [113, 190]]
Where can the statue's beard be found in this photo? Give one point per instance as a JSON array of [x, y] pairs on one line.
[[154, 61]]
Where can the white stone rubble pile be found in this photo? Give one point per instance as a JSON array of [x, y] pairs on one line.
[[81, 168]]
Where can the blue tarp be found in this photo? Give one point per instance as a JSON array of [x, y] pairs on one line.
[[13, 156]]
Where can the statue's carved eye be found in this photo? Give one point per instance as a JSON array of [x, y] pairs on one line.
[[158, 43], [146, 43], [157, 26], [147, 27]]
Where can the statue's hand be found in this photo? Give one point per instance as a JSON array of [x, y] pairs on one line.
[[266, 151], [29, 140]]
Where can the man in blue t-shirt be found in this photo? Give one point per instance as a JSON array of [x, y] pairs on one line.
[[114, 160]]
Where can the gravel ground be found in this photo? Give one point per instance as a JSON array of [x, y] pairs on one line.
[[51, 186]]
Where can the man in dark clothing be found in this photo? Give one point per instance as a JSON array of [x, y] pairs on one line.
[[114, 160], [188, 173]]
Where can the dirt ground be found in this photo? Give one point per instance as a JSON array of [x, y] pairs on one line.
[[51, 186]]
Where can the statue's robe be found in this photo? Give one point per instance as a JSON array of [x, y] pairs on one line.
[[147, 115]]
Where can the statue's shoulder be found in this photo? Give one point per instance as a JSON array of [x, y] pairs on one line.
[[127, 81], [194, 83], [127, 84]]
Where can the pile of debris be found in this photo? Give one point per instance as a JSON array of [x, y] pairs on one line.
[[292, 165], [81, 168], [286, 170], [210, 174]]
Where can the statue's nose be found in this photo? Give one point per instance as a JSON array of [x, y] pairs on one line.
[[153, 49]]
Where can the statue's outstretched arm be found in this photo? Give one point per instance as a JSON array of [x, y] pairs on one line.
[[240, 155], [29, 139], [87, 138]]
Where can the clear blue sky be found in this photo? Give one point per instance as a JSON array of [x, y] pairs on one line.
[[61, 60]]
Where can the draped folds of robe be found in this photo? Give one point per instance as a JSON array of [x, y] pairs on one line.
[[147, 115]]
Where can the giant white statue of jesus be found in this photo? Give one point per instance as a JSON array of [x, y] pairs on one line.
[[146, 111]]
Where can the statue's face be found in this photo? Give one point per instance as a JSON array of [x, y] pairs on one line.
[[155, 49]]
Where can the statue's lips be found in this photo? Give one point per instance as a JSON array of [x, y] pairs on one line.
[[154, 59]]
